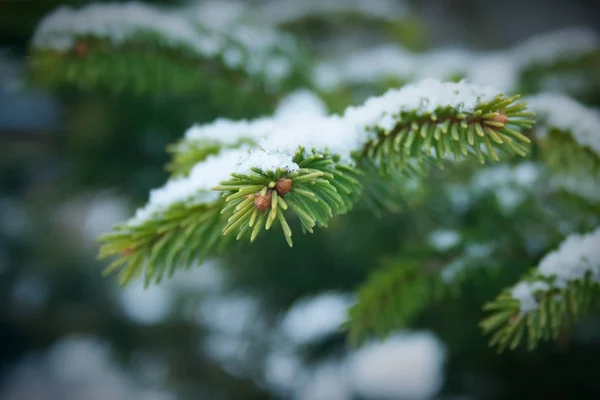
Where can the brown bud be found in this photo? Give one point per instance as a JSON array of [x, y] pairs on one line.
[[128, 251], [262, 201], [503, 119], [81, 48], [513, 319], [283, 186]]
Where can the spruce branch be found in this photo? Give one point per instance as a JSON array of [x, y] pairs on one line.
[[555, 57], [324, 162], [570, 145], [445, 132], [556, 310], [155, 248], [550, 298], [140, 49], [319, 190], [389, 299]]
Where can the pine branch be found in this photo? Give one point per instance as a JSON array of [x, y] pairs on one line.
[[183, 235], [568, 137], [550, 298], [390, 299], [433, 136], [314, 167], [319, 190], [556, 57], [139, 49], [187, 153], [557, 310]]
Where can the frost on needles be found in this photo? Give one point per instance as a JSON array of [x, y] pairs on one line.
[[306, 168]]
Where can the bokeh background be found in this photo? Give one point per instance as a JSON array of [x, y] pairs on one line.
[[263, 322]]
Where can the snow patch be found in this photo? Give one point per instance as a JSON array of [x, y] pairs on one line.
[[407, 366]]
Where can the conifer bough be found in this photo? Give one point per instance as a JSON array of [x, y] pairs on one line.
[[551, 297], [311, 168], [139, 48]]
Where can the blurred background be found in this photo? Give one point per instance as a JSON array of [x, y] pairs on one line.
[[73, 162]]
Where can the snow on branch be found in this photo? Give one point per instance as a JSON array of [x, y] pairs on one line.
[[120, 22], [567, 115], [291, 10], [194, 188], [551, 297], [503, 67], [577, 258], [570, 142], [280, 138], [253, 49], [312, 166]]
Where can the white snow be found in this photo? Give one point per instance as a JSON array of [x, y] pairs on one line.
[[104, 211], [229, 132], [566, 114], [279, 138], [118, 22], [230, 315], [313, 318], [566, 43], [329, 381], [585, 184], [283, 11], [344, 134], [406, 366], [282, 370], [500, 68], [577, 257], [444, 239], [217, 14], [296, 105], [525, 293], [260, 50], [146, 306], [194, 188], [300, 102]]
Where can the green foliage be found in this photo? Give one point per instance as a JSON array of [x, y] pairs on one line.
[[431, 137], [390, 298], [577, 76], [321, 189], [557, 310], [140, 67], [324, 187], [564, 155], [183, 235]]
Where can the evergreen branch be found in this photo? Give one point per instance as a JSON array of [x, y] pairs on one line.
[[551, 298], [184, 234], [524, 68], [136, 48], [433, 136], [187, 153], [562, 114], [569, 140], [200, 141], [556, 310], [313, 166], [319, 190], [389, 299]]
